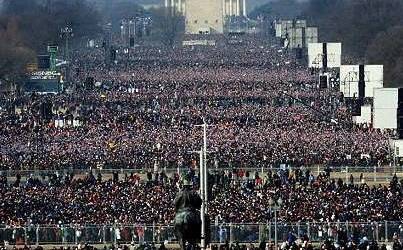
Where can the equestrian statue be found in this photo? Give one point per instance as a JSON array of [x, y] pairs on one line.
[[187, 217]]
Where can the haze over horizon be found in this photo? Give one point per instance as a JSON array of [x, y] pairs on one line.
[[252, 4]]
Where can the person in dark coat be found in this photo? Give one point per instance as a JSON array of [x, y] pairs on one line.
[[187, 217]]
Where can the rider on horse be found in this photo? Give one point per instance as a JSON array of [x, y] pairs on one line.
[[187, 218]]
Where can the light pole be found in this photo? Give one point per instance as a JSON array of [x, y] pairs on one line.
[[107, 42], [122, 30], [203, 184], [66, 33], [275, 205], [130, 33], [203, 197], [203, 208]]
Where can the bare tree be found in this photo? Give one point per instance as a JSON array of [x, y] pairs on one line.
[[40, 21], [355, 23], [14, 56], [168, 25], [387, 49]]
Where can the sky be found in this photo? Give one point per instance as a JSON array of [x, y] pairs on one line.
[[251, 3]]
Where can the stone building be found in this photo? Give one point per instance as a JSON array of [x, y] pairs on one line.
[[207, 16]]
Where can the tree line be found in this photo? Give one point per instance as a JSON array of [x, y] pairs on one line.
[[27, 27], [371, 30]]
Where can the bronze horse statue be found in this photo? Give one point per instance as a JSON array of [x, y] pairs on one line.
[[187, 218]]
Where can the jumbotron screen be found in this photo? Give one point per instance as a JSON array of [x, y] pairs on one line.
[[42, 86], [43, 82]]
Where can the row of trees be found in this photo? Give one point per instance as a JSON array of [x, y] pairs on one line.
[[40, 21], [272, 10], [355, 23], [371, 30], [387, 49], [27, 27], [14, 54]]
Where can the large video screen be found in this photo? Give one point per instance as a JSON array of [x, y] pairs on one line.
[[42, 86], [43, 82]]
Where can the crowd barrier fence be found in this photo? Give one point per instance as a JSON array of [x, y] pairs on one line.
[[371, 173], [242, 233]]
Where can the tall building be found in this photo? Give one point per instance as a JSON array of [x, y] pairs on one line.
[[207, 16], [176, 5], [234, 7]]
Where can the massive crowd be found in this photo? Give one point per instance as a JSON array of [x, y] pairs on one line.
[[140, 112], [235, 197]]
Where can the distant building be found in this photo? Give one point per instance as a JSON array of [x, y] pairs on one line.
[[150, 6], [204, 18], [207, 16], [177, 5], [234, 7]]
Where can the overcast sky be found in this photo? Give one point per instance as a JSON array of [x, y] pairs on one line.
[[251, 3]]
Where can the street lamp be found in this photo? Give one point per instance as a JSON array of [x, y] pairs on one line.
[[275, 205], [66, 32], [130, 32], [204, 185]]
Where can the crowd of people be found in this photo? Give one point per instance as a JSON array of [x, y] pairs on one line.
[[140, 110], [69, 205], [235, 197]]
